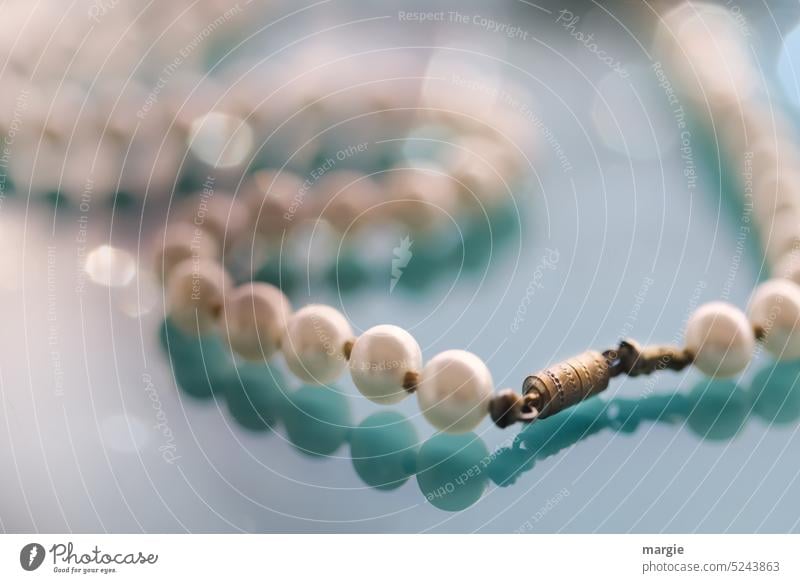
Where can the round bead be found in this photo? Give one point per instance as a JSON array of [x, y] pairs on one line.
[[788, 267], [721, 339], [182, 241], [781, 236], [454, 391], [718, 409], [314, 343], [222, 215], [446, 470], [186, 351], [317, 419], [384, 450], [343, 196], [775, 308], [255, 320], [421, 198], [380, 359], [254, 394], [274, 199], [195, 293], [774, 194], [482, 169]]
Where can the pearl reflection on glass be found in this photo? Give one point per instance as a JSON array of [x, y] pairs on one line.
[[446, 472]]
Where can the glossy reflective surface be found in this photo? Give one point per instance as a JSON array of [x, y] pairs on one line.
[[102, 430]]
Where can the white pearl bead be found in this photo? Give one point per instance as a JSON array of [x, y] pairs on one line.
[[721, 339], [781, 236], [482, 168], [314, 343], [179, 242], [255, 320], [379, 361], [774, 195], [454, 391], [195, 293], [788, 267], [775, 308], [784, 236]]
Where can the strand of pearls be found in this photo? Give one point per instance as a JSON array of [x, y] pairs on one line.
[[455, 389], [166, 124], [386, 450], [99, 102], [705, 48], [317, 342]]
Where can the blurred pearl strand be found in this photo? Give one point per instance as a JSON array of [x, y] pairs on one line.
[[86, 94], [705, 49], [317, 341], [113, 105], [454, 389]]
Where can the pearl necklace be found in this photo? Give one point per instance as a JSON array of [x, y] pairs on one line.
[[385, 449], [317, 341], [454, 389]]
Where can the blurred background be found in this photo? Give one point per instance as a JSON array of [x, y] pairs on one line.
[[616, 210]]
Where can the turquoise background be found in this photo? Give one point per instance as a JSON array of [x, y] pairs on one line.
[[97, 436]]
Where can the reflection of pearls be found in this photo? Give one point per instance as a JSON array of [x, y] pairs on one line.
[[384, 450], [455, 388], [317, 341]]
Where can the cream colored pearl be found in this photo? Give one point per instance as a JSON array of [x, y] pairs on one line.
[[721, 339], [454, 391], [380, 359], [218, 213], [255, 320], [482, 170], [182, 241], [314, 343], [195, 293], [346, 199], [788, 267], [782, 236], [775, 308], [777, 210], [421, 198], [274, 200]]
